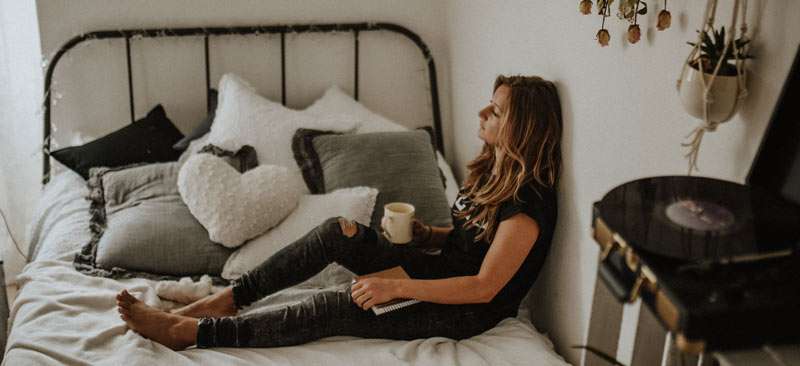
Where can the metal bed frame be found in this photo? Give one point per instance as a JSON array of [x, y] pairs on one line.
[[207, 32]]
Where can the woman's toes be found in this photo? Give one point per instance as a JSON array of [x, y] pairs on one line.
[[125, 296], [121, 298]]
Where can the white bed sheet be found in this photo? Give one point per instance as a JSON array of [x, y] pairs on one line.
[[61, 316]]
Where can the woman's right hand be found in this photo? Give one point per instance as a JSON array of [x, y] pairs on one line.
[[420, 232]]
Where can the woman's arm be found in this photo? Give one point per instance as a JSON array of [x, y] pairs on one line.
[[512, 243]]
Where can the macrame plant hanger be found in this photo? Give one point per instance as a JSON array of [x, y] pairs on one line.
[[707, 81]]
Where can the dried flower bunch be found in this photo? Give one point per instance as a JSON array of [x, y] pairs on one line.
[[628, 10]]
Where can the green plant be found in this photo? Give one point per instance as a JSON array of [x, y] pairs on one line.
[[712, 49]]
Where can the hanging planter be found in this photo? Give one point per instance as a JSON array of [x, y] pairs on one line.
[[725, 91], [713, 78], [723, 96]]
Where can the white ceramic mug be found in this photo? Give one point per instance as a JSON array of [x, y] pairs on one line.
[[397, 222]]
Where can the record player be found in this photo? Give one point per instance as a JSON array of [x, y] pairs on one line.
[[718, 262]]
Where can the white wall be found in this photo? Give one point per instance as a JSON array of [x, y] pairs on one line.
[[20, 131], [622, 117]]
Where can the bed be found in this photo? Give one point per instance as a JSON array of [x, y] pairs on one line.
[[63, 316]]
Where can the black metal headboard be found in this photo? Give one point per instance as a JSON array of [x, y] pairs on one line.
[[206, 32]]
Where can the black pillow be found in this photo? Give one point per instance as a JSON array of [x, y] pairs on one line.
[[204, 126], [147, 140]]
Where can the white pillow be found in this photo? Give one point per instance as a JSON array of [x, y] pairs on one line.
[[335, 101], [451, 186], [235, 207], [193, 148], [353, 203], [245, 118]]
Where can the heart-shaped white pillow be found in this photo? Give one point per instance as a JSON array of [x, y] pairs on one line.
[[235, 207]]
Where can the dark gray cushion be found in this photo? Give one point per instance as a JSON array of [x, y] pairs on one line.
[[142, 228], [401, 165], [244, 159], [203, 127]]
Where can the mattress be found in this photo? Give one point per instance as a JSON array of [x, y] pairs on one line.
[[61, 316]]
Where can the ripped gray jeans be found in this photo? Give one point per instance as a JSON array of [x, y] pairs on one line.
[[332, 313]]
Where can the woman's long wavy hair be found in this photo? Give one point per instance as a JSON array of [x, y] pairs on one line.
[[527, 151]]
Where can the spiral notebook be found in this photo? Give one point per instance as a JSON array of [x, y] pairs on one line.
[[391, 273]]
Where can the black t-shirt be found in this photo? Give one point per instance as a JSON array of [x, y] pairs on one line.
[[466, 255]]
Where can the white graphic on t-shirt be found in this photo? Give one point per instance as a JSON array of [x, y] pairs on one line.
[[460, 204], [463, 202]]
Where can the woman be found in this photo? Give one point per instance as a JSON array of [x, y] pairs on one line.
[[504, 219]]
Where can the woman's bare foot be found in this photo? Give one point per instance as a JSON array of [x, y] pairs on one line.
[[212, 306], [174, 331]]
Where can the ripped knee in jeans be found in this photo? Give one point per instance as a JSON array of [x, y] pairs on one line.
[[349, 227]]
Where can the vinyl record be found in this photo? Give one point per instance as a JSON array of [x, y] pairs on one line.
[[695, 218]]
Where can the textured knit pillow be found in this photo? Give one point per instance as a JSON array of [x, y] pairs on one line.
[[353, 203], [147, 140], [245, 118], [235, 207], [401, 165], [141, 227]]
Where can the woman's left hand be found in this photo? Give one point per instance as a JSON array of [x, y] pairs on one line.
[[367, 292]]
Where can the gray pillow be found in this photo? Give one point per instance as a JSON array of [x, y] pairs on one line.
[[401, 165], [142, 228]]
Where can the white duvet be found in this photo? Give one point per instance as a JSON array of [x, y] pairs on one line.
[[61, 316]]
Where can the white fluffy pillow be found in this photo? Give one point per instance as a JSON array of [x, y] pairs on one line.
[[451, 185], [245, 118], [336, 101], [235, 207], [353, 203]]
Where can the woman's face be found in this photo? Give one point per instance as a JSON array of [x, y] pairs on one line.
[[490, 115]]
